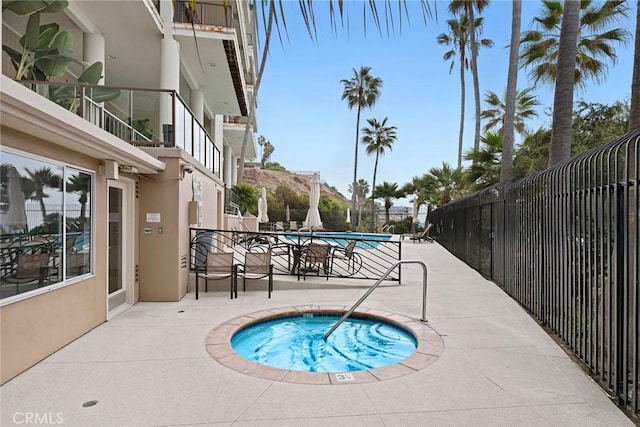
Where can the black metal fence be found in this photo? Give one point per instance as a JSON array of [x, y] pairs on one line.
[[564, 243], [368, 257]]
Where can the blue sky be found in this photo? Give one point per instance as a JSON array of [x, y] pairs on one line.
[[301, 113]]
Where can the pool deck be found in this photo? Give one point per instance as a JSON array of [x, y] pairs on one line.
[[150, 366]]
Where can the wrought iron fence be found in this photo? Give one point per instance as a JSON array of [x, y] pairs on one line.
[[564, 243], [368, 257]]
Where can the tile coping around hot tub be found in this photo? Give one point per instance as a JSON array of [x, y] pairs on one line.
[[429, 347]]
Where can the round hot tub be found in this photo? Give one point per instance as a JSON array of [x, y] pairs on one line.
[[288, 345], [296, 342]]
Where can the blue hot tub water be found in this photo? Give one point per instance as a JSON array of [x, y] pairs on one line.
[[297, 343]]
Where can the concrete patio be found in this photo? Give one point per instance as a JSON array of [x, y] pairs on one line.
[[150, 365]]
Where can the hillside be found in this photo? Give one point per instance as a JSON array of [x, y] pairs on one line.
[[298, 183]]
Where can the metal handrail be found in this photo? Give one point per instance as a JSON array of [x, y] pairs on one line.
[[375, 285]]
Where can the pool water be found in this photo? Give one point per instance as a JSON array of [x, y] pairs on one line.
[[297, 343], [363, 240]]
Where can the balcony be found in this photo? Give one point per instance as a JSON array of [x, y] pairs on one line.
[[134, 115], [218, 15]]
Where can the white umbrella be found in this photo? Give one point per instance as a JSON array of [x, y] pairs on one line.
[[15, 220], [262, 207], [414, 220], [287, 216], [313, 215], [348, 215]]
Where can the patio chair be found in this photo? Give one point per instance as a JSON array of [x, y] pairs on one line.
[[278, 226], [257, 265], [219, 266], [280, 248], [293, 225], [29, 269], [314, 257], [418, 237], [347, 255]]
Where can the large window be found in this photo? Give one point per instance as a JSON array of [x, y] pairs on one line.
[[45, 223]]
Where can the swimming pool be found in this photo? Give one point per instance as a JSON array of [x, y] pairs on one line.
[[296, 342], [363, 240]]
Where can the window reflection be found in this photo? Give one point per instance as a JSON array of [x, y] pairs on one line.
[[45, 223]]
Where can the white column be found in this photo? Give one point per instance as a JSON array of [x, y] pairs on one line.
[[228, 165], [169, 77], [197, 104], [234, 174], [93, 50]]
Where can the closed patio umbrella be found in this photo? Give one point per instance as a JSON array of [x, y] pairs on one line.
[[15, 220], [263, 216], [287, 216], [313, 215], [414, 220], [348, 215]]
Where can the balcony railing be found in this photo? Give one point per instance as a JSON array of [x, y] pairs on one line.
[[134, 115], [218, 15]]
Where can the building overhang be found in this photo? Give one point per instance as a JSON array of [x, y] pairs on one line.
[[32, 114]]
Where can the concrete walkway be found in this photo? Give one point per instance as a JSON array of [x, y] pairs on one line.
[[150, 365]]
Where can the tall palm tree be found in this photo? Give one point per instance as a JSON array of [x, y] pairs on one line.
[[80, 184], [541, 47], [361, 91], [362, 189], [468, 7], [560, 149], [634, 114], [252, 104], [511, 94], [378, 137], [36, 183], [389, 192], [458, 39], [525, 103]]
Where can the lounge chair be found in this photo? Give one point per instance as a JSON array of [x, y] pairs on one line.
[[293, 225], [422, 236]]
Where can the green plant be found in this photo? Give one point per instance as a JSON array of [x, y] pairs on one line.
[[47, 52], [141, 126]]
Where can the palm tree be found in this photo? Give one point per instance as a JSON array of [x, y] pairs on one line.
[[361, 91], [80, 184], [449, 183], [362, 189], [485, 168], [36, 183], [458, 39], [634, 115], [508, 127], [468, 8], [541, 48], [560, 149], [246, 197], [378, 137], [252, 104], [389, 192], [525, 103]]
